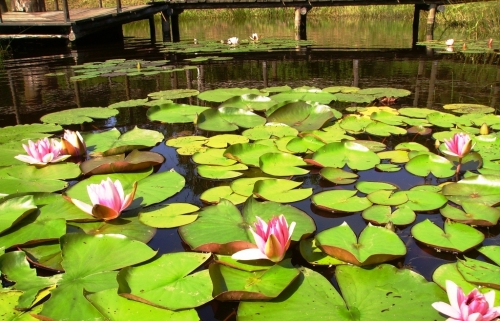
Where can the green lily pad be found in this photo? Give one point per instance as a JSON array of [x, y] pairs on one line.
[[369, 293], [215, 194], [212, 156], [305, 94], [15, 209], [424, 200], [175, 113], [315, 256], [249, 102], [46, 255], [354, 98], [249, 153], [340, 201], [381, 129], [280, 190], [8, 302], [473, 214], [410, 146], [483, 189], [457, 237], [226, 119], [270, 130], [469, 108], [450, 272], [388, 118], [375, 245], [302, 116], [223, 94], [222, 229], [249, 266], [78, 115], [22, 132], [233, 284], [134, 161], [88, 266], [492, 252], [385, 197], [395, 156], [116, 308], [221, 172], [385, 92], [442, 119], [173, 94], [129, 226], [305, 144], [479, 272], [416, 112], [129, 103], [112, 142], [388, 167], [225, 140], [425, 164], [338, 176], [176, 290], [282, 164], [368, 187], [245, 186], [338, 154], [341, 89], [355, 124], [382, 214]]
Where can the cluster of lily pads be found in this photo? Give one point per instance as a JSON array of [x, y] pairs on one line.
[[465, 46], [88, 222]]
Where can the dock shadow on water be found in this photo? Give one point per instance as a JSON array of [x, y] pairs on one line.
[[352, 118]]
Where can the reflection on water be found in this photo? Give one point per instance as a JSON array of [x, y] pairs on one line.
[[335, 59]]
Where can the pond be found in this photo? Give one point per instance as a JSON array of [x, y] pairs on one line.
[[323, 175]]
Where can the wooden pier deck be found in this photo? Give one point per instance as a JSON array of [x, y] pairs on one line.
[[81, 22]]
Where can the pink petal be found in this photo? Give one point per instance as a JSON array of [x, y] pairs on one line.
[[28, 159], [81, 205], [454, 293], [475, 317], [261, 243], [129, 198], [490, 298], [249, 254]]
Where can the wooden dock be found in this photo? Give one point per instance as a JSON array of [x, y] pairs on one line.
[[75, 24]]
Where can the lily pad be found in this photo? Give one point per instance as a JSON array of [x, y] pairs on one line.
[[175, 113], [341, 201], [383, 214], [270, 130], [173, 94], [457, 237], [129, 103], [250, 102], [249, 153], [368, 187], [282, 164], [385, 197], [338, 176], [78, 115], [280, 190], [473, 214], [226, 119], [315, 256], [483, 189], [424, 164], [479, 272], [338, 154], [232, 284], [223, 94], [225, 140], [215, 194], [212, 156], [245, 186], [134, 161], [221, 172], [33, 131], [176, 290], [469, 108], [302, 116], [424, 200]]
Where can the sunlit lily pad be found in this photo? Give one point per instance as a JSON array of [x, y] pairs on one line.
[[483, 189], [457, 237], [15, 209], [305, 144], [173, 94], [305, 94], [33, 131], [381, 129], [302, 116], [225, 119], [315, 256], [385, 92], [388, 167], [479, 272], [112, 142], [383, 214], [46, 255], [222, 229], [221, 172], [424, 200], [385, 197], [8, 302], [282, 164], [338, 154], [280, 190], [224, 140], [367, 292], [245, 186], [340, 201], [375, 245], [427, 163], [215, 194], [395, 156], [416, 112], [118, 308], [78, 115], [368, 187], [469, 108], [212, 156], [175, 113], [355, 124], [474, 214], [129, 103], [269, 130], [442, 119], [233, 284], [338, 176], [249, 102], [248, 153], [223, 94]]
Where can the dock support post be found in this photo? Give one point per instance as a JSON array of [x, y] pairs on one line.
[[152, 30], [301, 23], [176, 37], [118, 6], [416, 19], [431, 18], [65, 10], [165, 26]]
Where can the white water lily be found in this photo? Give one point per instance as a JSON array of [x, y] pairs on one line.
[[254, 37], [232, 41]]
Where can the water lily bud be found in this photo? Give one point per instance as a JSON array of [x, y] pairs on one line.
[[485, 130], [139, 66], [437, 143]]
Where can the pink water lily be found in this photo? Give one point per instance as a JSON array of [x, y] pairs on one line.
[[459, 145], [42, 152], [72, 144], [473, 307], [272, 239], [108, 199]]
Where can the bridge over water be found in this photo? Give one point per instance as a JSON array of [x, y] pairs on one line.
[[92, 24]]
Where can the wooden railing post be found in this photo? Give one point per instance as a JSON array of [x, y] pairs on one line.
[[66, 10], [118, 6], [1, 20], [56, 5], [100, 3]]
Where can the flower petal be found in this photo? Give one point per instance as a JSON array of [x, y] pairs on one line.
[[81, 205], [249, 254], [104, 212], [446, 309]]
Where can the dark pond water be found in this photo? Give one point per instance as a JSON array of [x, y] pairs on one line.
[[364, 54]]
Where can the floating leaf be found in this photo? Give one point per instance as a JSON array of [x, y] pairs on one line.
[[385, 197], [457, 237], [129, 103], [270, 130], [212, 156], [78, 115], [341, 201], [338, 154], [173, 94], [223, 94], [338, 176], [175, 113], [22, 132], [385, 92], [249, 153], [424, 164], [473, 214], [250, 102], [226, 119], [282, 164], [134, 161], [424, 200], [315, 256], [280, 190], [245, 186], [382, 214], [480, 273], [368, 187], [483, 189], [302, 116], [469, 108], [215, 194], [225, 140], [375, 245]]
